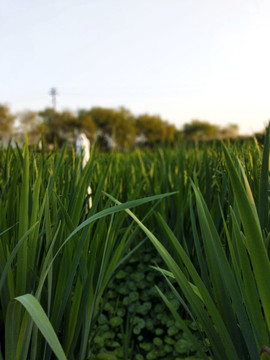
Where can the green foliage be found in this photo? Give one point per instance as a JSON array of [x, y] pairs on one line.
[[94, 273], [227, 294], [115, 128], [154, 129], [58, 125], [200, 129], [6, 119], [118, 125], [134, 323], [30, 122], [86, 124], [41, 320], [53, 247]]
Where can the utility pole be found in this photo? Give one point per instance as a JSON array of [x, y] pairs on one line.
[[53, 93]]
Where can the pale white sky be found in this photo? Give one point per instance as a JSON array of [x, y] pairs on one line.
[[182, 59]]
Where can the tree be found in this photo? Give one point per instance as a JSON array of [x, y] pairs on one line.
[[66, 122], [152, 127], [86, 123], [125, 128], [200, 130], [6, 120], [30, 121], [50, 126], [230, 130], [116, 125], [115, 128], [104, 119], [57, 125], [170, 132]]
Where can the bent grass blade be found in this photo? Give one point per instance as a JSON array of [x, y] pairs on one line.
[[41, 320]]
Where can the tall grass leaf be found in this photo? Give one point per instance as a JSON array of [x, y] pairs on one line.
[[226, 285], [11, 330], [34, 217], [19, 151], [200, 286], [7, 230], [23, 345], [199, 251], [96, 291], [70, 278], [73, 316], [41, 320], [255, 243], [170, 275], [116, 263], [102, 214], [183, 325], [47, 262], [248, 286], [22, 266], [263, 193], [14, 253], [56, 169]]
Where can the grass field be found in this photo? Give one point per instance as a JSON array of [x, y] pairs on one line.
[[200, 210]]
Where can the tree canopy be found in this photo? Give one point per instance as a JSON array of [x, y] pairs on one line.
[[200, 129], [117, 128], [6, 119], [197, 129]]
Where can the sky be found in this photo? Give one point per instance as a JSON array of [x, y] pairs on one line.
[[181, 59]]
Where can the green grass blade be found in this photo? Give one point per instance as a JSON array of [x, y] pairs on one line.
[[14, 253], [7, 230], [183, 325], [11, 330], [248, 286], [229, 295], [56, 169], [41, 320], [21, 279], [100, 215], [263, 199]]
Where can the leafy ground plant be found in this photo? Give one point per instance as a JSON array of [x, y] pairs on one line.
[[134, 322]]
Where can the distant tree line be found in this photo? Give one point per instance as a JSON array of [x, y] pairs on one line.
[[197, 129], [117, 128]]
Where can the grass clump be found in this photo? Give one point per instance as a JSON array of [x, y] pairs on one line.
[[89, 273]]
